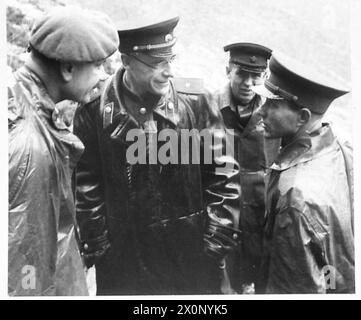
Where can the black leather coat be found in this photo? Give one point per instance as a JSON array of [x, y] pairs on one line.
[[159, 219]]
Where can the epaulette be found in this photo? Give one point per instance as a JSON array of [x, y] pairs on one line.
[[189, 85]]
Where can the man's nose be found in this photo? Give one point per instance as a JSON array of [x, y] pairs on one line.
[[168, 69], [248, 80]]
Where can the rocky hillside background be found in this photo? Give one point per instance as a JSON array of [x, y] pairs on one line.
[[317, 32]]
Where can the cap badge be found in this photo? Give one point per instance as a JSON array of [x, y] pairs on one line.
[[168, 37], [253, 59]]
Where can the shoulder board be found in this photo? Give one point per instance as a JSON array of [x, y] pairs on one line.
[[189, 85]]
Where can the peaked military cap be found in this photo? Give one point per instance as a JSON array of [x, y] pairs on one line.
[[73, 35], [156, 39], [291, 80], [250, 57]]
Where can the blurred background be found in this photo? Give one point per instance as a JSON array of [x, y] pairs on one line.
[[317, 32]]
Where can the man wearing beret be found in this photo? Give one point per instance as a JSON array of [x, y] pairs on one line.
[[239, 106], [309, 234], [67, 49], [154, 227]]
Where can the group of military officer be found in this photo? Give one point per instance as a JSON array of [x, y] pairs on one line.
[[275, 215]]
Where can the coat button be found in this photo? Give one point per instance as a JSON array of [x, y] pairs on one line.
[[142, 110], [235, 236], [170, 105], [108, 109], [86, 247]]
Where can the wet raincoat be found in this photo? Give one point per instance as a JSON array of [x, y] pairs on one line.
[[309, 238], [42, 249]]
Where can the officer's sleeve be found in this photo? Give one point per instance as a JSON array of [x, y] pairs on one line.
[[220, 178], [298, 254], [89, 191]]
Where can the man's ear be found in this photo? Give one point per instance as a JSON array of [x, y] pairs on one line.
[[228, 71], [266, 74], [304, 116], [66, 71]]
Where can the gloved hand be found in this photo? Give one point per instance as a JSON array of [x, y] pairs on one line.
[[93, 250], [219, 240]]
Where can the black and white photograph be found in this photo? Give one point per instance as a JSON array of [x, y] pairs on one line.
[[181, 148]]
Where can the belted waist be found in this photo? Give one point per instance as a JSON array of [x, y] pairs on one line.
[[180, 215], [170, 221]]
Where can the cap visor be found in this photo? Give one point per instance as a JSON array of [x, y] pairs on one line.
[[252, 70], [264, 92], [160, 54]]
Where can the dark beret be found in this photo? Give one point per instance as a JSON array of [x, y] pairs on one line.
[[75, 35], [291, 80]]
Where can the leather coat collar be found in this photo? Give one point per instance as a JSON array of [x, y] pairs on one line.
[[167, 107], [225, 98], [225, 101]]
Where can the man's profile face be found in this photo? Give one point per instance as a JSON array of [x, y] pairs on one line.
[[150, 74], [241, 82], [279, 119]]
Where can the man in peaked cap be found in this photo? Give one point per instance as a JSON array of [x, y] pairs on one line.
[[309, 238], [239, 106], [67, 49], [154, 227]]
